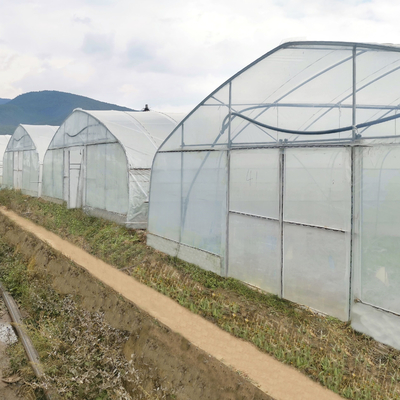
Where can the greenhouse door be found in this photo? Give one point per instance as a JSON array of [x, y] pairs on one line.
[[289, 224], [18, 163], [73, 177]]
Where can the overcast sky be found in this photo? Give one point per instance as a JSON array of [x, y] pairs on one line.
[[167, 53]]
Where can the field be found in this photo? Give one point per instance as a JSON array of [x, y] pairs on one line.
[[323, 348]]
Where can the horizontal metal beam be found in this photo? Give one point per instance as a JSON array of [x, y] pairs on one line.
[[311, 105], [288, 222], [254, 215]]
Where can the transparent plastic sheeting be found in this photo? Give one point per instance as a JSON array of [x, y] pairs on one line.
[[53, 174], [140, 133], [166, 196], [379, 279], [106, 178], [24, 155], [316, 269], [300, 210], [303, 87], [254, 182], [255, 261], [316, 195], [4, 139], [111, 175], [194, 193], [139, 182]]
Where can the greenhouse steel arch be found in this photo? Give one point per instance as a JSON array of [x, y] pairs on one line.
[[287, 177]]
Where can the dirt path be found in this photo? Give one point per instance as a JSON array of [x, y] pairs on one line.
[[278, 380]]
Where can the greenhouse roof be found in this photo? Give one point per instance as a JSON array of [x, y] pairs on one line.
[[299, 91], [32, 137], [140, 133]]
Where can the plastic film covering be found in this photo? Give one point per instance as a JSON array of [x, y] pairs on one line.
[[318, 187], [303, 87], [377, 94], [139, 185], [140, 133], [204, 188], [52, 185], [311, 180], [200, 187], [380, 233], [117, 150], [254, 182], [255, 261], [254, 191], [317, 224], [30, 173], [8, 162], [107, 178], [27, 147], [4, 139], [166, 197], [316, 269], [79, 129], [284, 91]]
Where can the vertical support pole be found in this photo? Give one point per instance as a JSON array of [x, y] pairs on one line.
[[281, 200], [182, 201], [354, 108], [84, 176], [228, 183], [352, 192], [40, 180]]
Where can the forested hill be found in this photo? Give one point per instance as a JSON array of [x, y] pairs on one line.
[[45, 108]]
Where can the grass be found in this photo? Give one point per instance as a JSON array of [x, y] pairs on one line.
[[81, 354], [325, 349]]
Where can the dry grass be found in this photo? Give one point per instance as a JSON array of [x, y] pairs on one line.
[[81, 354], [325, 349]]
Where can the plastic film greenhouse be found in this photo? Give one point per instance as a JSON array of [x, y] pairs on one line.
[[287, 177], [23, 158], [101, 161], [4, 139]]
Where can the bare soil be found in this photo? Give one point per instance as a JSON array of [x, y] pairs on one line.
[[169, 345]]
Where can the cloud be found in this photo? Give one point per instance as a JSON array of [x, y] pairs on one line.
[[79, 20], [165, 53], [139, 55], [99, 44]]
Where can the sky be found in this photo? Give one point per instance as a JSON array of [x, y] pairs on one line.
[[169, 54]]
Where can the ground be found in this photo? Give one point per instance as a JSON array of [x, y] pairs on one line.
[[7, 391], [164, 365]]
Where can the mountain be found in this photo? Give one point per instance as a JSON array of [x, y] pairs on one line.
[[45, 108]]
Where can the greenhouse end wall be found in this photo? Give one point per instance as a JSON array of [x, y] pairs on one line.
[[23, 158], [101, 161], [4, 139], [287, 177]]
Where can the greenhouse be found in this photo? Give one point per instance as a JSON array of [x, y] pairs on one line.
[[3, 144], [287, 177], [101, 161], [23, 158]]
